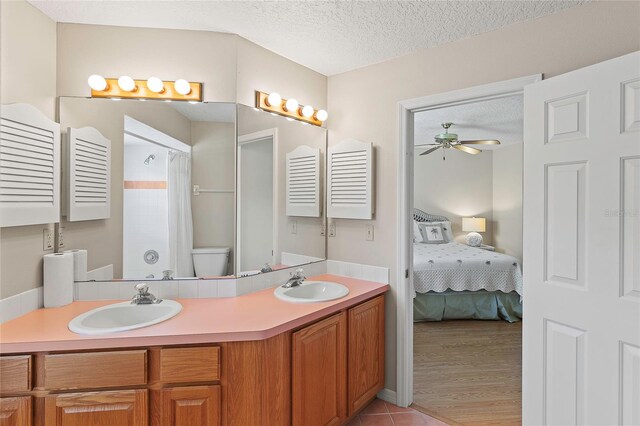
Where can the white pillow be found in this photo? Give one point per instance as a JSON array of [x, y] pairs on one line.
[[432, 233], [417, 236], [446, 230]]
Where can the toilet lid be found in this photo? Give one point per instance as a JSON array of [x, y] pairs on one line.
[[211, 250]]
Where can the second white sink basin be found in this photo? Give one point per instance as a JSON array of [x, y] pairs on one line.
[[123, 316], [312, 291]]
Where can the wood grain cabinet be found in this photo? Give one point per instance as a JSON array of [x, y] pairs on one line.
[[109, 408], [320, 373], [186, 406], [366, 352], [16, 411]]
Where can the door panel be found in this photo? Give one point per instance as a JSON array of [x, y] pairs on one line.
[[581, 246], [188, 406], [16, 411]]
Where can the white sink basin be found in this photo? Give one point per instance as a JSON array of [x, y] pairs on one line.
[[312, 291], [123, 316]]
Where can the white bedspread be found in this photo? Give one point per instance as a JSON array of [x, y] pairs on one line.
[[455, 266]]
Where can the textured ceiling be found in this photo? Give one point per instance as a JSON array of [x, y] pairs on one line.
[[493, 119], [328, 36]]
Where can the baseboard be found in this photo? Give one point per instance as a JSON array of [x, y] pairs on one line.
[[388, 395]]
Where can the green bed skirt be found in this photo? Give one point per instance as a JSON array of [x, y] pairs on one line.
[[480, 305]]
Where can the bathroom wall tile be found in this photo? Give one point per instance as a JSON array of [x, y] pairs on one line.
[[29, 301], [169, 289], [154, 288], [88, 291], [40, 296], [10, 308], [207, 288], [263, 281], [227, 288], [109, 290], [382, 275], [188, 289], [245, 285], [354, 270]]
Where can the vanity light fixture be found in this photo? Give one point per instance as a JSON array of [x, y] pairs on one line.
[[154, 88], [127, 84], [290, 108], [155, 85]]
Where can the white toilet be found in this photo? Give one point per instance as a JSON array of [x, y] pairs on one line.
[[211, 261]]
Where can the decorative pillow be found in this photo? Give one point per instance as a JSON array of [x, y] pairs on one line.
[[432, 233], [417, 236], [446, 230]]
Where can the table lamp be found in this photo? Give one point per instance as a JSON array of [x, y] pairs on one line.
[[473, 225]]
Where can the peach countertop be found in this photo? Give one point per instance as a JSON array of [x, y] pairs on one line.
[[254, 316]]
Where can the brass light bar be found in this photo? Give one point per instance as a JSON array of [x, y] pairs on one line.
[[263, 104], [141, 91]]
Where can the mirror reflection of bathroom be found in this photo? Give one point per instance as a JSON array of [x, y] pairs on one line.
[[173, 189]]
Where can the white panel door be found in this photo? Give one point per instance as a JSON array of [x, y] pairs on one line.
[[581, 337]]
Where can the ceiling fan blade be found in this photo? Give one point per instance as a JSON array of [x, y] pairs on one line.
[[481, 142], [427, 144], [431, 150], [467, 149]]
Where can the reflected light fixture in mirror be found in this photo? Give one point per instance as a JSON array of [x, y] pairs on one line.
[[290, 108], [153, 88]]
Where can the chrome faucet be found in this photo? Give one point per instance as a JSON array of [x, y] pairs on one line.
[[296, 279], [144, 297]]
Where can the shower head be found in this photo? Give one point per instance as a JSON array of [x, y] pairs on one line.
[[149, 158]]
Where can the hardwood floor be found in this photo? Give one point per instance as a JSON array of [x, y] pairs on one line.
[[468, 372]]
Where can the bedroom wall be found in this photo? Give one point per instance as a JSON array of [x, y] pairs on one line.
[[552, 45], [460, 186], [507, 200], [27, 74]]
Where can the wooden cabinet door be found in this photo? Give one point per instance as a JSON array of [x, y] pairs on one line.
[[109, 408], [16, 411], [187, 406], [366, 352], [320, 373]]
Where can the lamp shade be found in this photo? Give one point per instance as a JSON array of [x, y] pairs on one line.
[[474, 224]]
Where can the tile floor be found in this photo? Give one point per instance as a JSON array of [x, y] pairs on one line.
[[381, 413]]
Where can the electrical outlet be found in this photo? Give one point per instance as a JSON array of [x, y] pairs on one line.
[[323, 229], [332, 229], [294, 227], [369, 232], [47, 241], [60, 237]]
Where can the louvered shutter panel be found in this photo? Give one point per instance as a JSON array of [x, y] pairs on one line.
[[29, 167], [89, 175], [350, 180], [303, 182]]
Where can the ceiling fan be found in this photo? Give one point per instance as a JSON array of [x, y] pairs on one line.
[[448, 140]]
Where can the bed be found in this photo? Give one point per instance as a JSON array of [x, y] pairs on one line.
[[455, 281]]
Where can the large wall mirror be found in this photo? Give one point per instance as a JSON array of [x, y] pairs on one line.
[[197, 191]]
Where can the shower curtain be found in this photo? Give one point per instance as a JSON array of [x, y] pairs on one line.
[[180, 218]]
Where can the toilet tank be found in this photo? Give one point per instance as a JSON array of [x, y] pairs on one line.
[[211, 261]]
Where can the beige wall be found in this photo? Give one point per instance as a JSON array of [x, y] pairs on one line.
[[27, 74], [507, 200], [460, 186], [364, 104], [103, 238], [213, 167]]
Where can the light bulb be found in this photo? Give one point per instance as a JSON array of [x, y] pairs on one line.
[[182, 87], [155, 85], [126, 83], [97, 82], [274, 100], [307, 111], [322, 115], [291, 105]]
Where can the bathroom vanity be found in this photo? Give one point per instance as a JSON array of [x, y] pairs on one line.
[[306, 364]]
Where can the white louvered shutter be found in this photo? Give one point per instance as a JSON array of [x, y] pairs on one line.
[[89, 175], [29, 166], [303, 182], [350, 180]]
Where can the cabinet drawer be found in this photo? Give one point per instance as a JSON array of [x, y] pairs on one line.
[[16, 411], [15, 372], [185, 365], [95, 370]]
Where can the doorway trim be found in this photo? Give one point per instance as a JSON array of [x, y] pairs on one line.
[[404, 279], [247, 139]]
